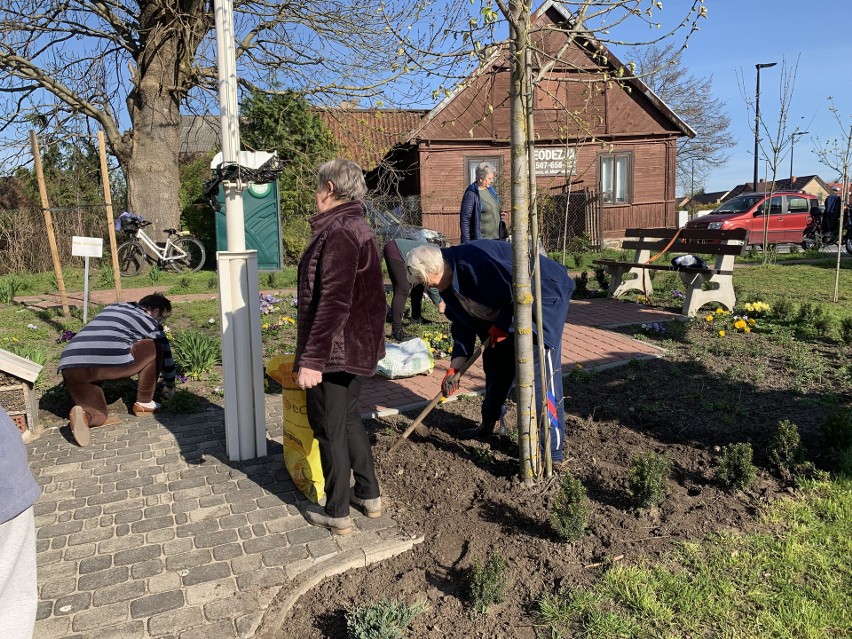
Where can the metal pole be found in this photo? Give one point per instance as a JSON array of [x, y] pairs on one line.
[[242, 356], [86, 290]]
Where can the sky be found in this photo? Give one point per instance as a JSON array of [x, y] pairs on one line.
[[738, 34]]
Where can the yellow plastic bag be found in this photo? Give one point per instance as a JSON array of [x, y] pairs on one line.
[[301, 450]]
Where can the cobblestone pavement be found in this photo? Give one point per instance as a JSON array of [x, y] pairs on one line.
[[152, 532]]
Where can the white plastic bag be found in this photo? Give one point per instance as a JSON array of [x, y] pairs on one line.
[[406, 359]]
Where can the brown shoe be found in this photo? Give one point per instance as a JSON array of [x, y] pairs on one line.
[[144, 411], [80, 426], [316, 515]]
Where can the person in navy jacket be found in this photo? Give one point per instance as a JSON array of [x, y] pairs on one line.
[[480, 217], [475, 282]]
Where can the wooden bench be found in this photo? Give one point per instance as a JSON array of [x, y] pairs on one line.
[[703, 285]]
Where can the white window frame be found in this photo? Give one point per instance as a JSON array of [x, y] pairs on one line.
[[615, 177]]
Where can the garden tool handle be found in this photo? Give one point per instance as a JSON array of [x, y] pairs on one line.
[[437, 399]]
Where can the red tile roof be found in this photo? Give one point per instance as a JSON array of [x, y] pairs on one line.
[[366, 135]]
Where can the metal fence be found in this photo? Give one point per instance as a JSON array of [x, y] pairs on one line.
[[566, 216]]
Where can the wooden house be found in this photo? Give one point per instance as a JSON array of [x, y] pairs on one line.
[[17, 395], [611, 144]]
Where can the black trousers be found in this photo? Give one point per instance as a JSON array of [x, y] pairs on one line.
[[402, 290], [333, 414]]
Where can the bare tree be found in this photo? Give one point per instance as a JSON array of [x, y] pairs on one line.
[[133, 67], [692, 98], [836, 154], [775, 139]]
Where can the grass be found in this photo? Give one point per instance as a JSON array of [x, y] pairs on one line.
[[791, 584]]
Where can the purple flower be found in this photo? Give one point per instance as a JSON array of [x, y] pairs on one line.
[[65, 336], [678, 295]]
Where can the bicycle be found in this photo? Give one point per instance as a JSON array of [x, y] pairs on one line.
[[181, 251]]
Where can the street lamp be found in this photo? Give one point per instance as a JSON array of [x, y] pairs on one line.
[[792, 146], [757, 116]]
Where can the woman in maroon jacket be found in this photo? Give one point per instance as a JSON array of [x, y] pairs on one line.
[[340, 338]]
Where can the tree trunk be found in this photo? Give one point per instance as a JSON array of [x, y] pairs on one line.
[[151, 166], [525, 379]]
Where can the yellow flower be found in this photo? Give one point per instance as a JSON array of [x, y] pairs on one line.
[[752, 322], [265, 326], [722, 333], [740, 324], [747, 329], [709, 318], [719, 311]]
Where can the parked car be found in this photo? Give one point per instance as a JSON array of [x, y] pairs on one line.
[[784, 218], [388, 226]]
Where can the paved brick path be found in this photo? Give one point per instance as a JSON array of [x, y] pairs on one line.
[[152, 532]]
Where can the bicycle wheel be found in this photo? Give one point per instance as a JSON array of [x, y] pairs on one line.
[[131, 258], [194, 256]]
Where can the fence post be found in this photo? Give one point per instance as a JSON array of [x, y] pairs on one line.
[[113, 245]]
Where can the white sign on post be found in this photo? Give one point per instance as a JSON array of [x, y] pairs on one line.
[[86, 247], [554, 160]]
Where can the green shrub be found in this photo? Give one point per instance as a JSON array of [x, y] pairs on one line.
[[10, 286], [736, 469], [646, 481], [813, 316], [485, 584], [582, 285], [784, 308], [195, 353], [154, 274], [602, 279], [785, 450], [182, 402], [846, 330], [570, 508], [384, 620], [837, 429], [295, 232]]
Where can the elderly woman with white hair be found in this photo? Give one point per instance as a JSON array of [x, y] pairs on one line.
[[475, 282], [480, 217], [340, 340]]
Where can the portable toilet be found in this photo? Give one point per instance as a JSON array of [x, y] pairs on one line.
[[261, 213]]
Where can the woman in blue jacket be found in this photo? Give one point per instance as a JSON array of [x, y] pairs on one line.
[[480, 217], [475, 282]]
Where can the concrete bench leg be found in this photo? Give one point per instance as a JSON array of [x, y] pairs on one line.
[[618, 286], [720, 290]]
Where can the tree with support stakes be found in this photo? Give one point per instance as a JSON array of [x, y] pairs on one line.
[[534, 65], [836, 154]]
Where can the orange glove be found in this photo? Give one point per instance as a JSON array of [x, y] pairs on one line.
[[449, 385], [496, 335]]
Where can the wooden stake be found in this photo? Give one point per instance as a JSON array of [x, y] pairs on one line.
[[116, 274], [48, 222]]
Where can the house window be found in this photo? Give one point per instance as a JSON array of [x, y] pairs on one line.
[[616, 177], [470, 164]]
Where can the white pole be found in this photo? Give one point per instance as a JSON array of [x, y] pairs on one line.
[[242, 363], [86, 290]]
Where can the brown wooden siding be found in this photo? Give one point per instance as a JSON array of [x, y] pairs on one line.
[[443, 181]]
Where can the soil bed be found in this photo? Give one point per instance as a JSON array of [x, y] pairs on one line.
[[464, 498]]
